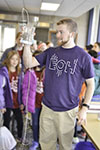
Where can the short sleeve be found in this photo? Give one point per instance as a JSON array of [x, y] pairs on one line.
[[88, 68], [41, 58]]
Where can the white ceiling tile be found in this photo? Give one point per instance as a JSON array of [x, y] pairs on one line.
[[32, 3], [67, 7], [33, 6], [3, 5], [85, 7], [15, 5], [53, 1]]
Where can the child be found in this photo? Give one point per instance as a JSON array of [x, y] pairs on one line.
[[35, 116], [10, 90]]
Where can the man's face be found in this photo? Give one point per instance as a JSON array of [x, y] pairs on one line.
[[63, 34]]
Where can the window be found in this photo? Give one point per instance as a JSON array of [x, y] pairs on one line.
[[8, 37]]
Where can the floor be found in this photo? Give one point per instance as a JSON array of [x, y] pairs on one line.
[[29, 139]]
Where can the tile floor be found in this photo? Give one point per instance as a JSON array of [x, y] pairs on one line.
[[29, 138]]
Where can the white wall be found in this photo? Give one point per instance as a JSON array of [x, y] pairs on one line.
[[82, 22]]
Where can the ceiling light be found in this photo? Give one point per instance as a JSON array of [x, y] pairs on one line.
[[43, 24], [49, 6]]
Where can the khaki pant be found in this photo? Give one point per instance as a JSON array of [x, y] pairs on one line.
[[57, 125]]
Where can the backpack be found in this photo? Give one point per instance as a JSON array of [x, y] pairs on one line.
[[7, 141]]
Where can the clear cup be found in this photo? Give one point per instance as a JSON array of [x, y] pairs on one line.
[[27, 34]]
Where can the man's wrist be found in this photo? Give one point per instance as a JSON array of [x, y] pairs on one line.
[[85, 105]]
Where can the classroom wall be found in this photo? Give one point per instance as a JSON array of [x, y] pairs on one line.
[[82, 22]]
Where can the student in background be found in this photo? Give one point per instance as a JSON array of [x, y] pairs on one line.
[[11, 91], [96, 65], [96, 47], [88, 47], [42, 47], [67, 66], [38, 100]]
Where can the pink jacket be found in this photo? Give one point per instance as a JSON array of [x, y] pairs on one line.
[[29, 90]]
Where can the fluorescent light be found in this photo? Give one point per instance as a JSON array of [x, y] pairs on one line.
[[49, 6], [43, 24]]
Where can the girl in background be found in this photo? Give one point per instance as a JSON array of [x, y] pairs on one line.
[[38, 99], [10, 90]]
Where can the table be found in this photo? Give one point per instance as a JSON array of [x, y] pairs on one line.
[[93, 129]]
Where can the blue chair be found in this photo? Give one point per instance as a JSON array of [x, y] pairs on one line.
[[84, 146]]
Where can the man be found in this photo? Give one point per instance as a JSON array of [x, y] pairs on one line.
[[67, 67]]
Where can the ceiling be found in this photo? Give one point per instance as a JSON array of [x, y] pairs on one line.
[[70, 8]]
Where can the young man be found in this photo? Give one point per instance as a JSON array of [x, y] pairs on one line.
[[67, 67]]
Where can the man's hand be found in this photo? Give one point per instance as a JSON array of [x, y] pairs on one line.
[[82, 116]]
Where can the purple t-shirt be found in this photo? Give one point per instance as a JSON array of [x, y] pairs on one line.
[[66, 69]]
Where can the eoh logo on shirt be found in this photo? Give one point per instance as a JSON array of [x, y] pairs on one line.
[[14, 83], [39, 88], [61, 65]]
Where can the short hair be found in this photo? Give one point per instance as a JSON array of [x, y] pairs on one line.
[[72, 25]]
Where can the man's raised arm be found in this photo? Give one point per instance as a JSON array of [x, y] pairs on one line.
[[29, 61]]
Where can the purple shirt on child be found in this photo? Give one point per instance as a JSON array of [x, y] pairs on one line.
[[66, 70]]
